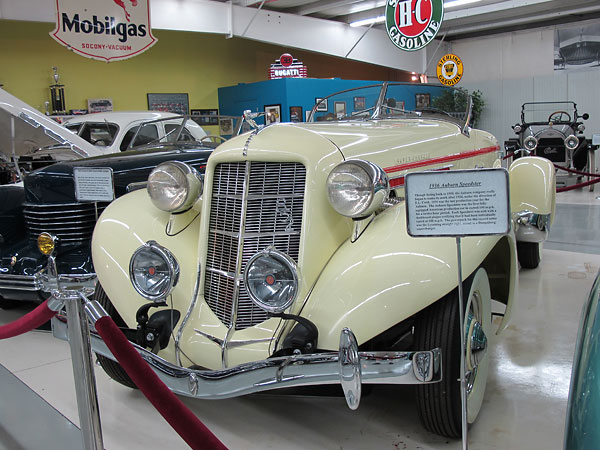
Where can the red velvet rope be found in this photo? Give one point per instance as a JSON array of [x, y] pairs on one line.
[[577, 186], [187, 425], [587, 174], [28, 322]]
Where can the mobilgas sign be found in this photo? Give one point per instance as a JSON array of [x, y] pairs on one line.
[[412, 24], [107, 30]]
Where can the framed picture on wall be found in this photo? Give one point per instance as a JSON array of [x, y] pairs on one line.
[[100, 105], [359, 103], [422, 100], [272, 114], [175, 103], [340, 109], [321, 104], [225, 126], [295, 113], [206, 116]]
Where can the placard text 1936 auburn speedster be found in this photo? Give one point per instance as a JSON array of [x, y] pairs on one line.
[[289, 262]]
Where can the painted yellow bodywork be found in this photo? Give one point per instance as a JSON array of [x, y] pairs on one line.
[[368, 285], [527, 176]]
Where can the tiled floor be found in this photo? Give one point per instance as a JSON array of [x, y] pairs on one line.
[[524, 405]]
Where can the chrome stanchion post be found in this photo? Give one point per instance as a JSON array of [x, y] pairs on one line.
[[83, 373]]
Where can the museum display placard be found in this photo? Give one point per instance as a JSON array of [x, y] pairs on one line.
[[94, 184], [457, 203]]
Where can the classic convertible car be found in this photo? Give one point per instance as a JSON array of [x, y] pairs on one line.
[[554, 130], [289, 262], [50, 202]]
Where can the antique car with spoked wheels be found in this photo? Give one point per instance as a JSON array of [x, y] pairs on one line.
[[289, 262], [554, 130]]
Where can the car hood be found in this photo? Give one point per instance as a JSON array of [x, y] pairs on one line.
[[54, 184], [25, 131]]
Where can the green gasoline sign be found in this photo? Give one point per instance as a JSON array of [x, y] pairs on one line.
[[412, 24]]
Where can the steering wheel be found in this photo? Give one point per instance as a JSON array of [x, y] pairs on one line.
[[559, 115]]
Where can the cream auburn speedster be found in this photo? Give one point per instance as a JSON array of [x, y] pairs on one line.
[[289, 262]]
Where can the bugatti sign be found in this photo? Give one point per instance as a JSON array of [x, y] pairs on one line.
[[107, 30], [412, 24]]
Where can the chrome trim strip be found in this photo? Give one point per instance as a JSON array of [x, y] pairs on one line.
[[188, 314], [231, 344], [229, 275], [299, 370]]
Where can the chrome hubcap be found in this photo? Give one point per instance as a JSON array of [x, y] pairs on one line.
[[476, 340]]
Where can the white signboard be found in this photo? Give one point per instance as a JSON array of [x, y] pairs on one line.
[[457, 203], [94, 184], [108, 30]]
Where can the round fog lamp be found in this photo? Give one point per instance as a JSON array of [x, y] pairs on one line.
[[153, 271], [530, 143], [46, 243], [517, 129], [571, 142], [271, 279], [174, 186], [357, 188]]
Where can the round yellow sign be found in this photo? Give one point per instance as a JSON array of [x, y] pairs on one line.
[[449, 69]]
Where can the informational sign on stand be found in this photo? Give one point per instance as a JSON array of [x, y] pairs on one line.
[[94, 184], [457, 203]]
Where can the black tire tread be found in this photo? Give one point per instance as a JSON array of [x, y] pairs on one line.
[[528, 254], [113, 369], [439, 412]]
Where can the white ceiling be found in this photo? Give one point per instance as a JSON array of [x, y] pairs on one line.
[[476, 18]]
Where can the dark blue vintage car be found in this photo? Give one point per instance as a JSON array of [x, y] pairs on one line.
[[47, 203], [582, 430]]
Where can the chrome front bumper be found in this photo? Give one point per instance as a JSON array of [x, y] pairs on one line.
[[348, 367], [31, 283], [531, 227]]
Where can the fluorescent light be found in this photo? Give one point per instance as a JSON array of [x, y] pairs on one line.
[[360, 23], [453, 3]]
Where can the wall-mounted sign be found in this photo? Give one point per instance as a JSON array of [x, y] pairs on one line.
[[412, 24], [108, 30], [449, 69], [287, 67]]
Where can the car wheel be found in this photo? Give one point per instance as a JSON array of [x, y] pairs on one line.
[[529, 254], [439, 404], [112, 368]]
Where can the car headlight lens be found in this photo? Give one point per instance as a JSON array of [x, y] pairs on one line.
[[517, 129], [153, 271], [357, 188], [530, 143], [46, 243], [571, 142], [271, 279], [174, 186]]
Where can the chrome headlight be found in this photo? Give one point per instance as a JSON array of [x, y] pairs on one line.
[[153, 271], [530, 143], [174, 186], [571, 142], [517, 128], [581, 128], [271, 279], [357, 188]]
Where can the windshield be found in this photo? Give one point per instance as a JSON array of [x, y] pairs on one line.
[[96, 133], [545, 112], [395, 100]]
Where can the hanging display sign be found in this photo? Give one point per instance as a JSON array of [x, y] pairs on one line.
[[287, 67], [449, 69], [412, 24], [108, 30]]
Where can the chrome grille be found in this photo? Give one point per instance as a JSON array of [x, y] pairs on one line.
[[272, 200], [70, 222]]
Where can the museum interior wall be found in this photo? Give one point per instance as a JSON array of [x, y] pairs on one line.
[[193, 63], [512, 68]]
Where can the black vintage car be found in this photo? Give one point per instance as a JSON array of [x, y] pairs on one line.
[[48, 203], [555, 131]]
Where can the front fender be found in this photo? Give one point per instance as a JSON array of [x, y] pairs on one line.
[[533, 186], [387, 276], [125, 225]]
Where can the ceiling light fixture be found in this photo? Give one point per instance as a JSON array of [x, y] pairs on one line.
[[454, 3], [373, 20]]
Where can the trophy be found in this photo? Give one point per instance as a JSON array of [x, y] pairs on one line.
[[57, 95]]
